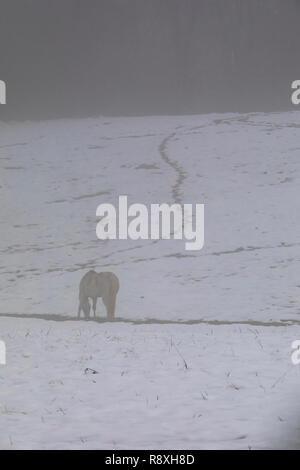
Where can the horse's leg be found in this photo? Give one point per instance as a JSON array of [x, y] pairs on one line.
[[112, 305], [94, 305], [106, 302], [110, 302]]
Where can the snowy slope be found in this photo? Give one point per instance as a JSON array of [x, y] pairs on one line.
[[245, 169], [163, 387], [238, 387]]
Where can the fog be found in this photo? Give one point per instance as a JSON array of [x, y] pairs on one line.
[[191, 346], [139, 57]]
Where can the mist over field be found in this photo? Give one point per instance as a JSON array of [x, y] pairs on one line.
[[185, 102], [131, 57]]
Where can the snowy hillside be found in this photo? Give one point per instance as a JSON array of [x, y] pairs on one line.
[[244, 168], [223, 378]]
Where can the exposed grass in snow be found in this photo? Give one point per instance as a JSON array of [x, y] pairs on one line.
[[199, 356], [119, 386]]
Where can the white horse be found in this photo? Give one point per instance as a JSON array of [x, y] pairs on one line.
[[94, 285]]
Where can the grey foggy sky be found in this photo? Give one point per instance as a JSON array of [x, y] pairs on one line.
[[64, 58]]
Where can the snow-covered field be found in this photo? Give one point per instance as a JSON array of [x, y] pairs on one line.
[[200, 353]]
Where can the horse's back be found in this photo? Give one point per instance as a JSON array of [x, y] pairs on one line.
[[110, 279], [98, 284]]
